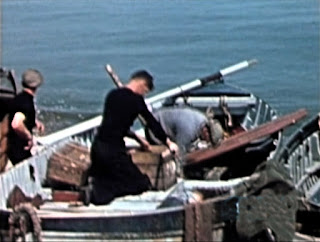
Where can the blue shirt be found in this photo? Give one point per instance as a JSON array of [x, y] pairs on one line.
[[182, 124]]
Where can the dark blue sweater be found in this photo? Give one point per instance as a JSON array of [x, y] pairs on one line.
[[122, 107]]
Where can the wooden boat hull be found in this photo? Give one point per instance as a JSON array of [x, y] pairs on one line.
[[231, 214], [228, 209], [300, 154]]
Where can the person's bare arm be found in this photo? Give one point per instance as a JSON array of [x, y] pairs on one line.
[[40, 126], [19, 127]]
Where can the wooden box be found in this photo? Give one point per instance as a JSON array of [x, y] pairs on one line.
[[69, 166], [160, 170]]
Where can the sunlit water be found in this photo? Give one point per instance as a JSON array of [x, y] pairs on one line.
[[178, 41]]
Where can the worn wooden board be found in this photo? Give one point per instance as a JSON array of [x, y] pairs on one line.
[[69, 165], [160, 170], [244, 138], [66, 196]]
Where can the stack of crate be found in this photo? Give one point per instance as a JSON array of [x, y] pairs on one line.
[[68, 170]]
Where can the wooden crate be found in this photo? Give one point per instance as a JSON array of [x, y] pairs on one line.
[[69, 166], [160, 170]]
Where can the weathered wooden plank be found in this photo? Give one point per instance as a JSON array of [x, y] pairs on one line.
[[65, 170], [205, 222], [244, 138], [66, 196], [69, 165], [76, 152], [189, 223], [152, 157], [161, 171]]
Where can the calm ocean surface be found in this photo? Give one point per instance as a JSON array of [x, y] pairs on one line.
[[178, 41]]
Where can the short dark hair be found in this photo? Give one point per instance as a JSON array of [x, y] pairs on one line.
[[142, 74]]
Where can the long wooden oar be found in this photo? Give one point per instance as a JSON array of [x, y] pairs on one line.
[[114, 77]]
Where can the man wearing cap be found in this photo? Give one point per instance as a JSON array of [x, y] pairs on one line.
[[113, 172], [188, 127], [23, 118]]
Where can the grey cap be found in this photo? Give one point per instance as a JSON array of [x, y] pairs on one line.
[[32, 79]]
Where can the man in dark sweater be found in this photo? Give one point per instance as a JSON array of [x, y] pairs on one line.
[[23, 118], [112, 169]]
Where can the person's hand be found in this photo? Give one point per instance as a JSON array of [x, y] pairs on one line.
[[145, 145], [173, 147], [36, 146], [40, 126], [30, 144]]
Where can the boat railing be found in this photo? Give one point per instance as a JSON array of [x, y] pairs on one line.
[[301, 155], [29, 175], [82, 133]]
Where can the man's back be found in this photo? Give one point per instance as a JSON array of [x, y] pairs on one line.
[[182, 124], [23, 103], [122, 107]]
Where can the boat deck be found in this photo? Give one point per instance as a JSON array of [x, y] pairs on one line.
[[145, 202]]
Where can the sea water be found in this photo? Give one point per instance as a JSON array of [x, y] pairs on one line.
[[177, 41]]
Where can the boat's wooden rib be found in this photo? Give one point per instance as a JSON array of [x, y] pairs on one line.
[[241, 139], [301, 155]]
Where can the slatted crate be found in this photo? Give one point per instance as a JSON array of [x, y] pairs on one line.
[[69, 165], [160, 170]]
